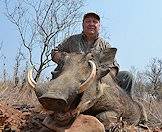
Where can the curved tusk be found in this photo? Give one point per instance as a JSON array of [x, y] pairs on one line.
[[31, 81], [90, 79]]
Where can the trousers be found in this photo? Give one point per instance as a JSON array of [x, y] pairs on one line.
[[125, 81]]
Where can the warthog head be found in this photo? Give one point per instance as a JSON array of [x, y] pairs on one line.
[[80, 72]]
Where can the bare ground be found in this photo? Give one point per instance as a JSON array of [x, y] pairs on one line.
[[21, 112]]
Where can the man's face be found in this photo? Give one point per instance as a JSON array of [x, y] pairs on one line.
[[91, 26]]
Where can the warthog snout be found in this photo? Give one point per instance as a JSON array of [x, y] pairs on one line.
[[53, 102]]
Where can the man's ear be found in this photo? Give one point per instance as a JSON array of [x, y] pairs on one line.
[[83, 25]]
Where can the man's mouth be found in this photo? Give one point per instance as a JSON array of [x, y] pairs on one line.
[[91, 28]]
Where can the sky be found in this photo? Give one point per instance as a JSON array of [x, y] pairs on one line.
[[134, 27]]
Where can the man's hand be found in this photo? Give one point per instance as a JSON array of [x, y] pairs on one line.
[[113, 71], [56, 56]]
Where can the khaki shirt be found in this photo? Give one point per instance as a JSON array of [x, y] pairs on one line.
[[77, 43]]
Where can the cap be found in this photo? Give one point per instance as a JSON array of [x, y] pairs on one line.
[[91, 14]]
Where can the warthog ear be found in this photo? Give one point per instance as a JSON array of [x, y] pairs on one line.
[[104, 56], [104, 60], [107, 56], [101, 72]]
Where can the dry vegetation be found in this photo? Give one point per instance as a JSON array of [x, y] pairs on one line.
[[20, 110]]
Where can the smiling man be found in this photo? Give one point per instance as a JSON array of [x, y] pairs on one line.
[[85, 42]]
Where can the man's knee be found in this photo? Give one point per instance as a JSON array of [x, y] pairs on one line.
[[125, 75], [125, 80]]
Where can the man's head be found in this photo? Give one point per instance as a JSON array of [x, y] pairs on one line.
[[91, 24]]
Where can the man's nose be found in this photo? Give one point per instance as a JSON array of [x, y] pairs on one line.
[[91, 23]]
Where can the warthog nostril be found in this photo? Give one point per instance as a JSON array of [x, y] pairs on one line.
[[59, 102], [56, 104], [53, 104]]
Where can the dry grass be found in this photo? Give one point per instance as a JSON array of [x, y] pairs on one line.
[[154, 112], [17, 95], [153, 109], [24, 95]]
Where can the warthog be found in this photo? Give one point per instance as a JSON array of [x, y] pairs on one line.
[[86, 85]]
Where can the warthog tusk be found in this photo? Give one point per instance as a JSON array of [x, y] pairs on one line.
[[90, 79], [31, 81]]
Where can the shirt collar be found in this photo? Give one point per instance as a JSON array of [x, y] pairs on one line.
[[85, 37]]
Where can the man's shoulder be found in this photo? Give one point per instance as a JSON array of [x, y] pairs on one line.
[[71, 39], [75, 36], [103, 41]]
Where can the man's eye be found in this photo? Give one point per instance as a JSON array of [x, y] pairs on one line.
[[88, 21], [95, 21]]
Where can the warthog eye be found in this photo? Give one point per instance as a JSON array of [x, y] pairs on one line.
[[82, 81]]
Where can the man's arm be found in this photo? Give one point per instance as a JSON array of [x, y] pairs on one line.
[[56, 53]]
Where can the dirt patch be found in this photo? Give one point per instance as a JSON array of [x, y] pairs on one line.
[[21, 112], [23, 118], [20, 118]]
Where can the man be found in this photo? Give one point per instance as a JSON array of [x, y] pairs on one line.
[[89, 40]]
